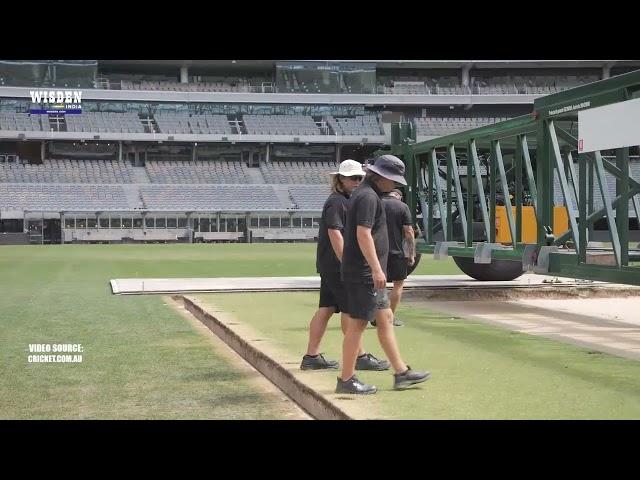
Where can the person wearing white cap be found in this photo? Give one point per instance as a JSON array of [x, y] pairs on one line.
[[364, 263], [328, 259]]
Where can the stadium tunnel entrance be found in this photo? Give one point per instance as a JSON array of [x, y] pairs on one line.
[[43, 228]]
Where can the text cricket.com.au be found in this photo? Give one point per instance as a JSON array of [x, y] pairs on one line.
[[44, 353]]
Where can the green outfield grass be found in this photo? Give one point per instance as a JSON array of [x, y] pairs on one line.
[[479, 371], [141, 359]]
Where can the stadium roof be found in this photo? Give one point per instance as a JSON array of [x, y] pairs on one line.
[[268, 64]]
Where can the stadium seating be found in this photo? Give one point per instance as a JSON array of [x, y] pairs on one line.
[[297, 172], [309, 197], [221, 84], [204, 197], [280, 125], [363, 125], [192, 124], [438, 126], [56, 197], [216, 171], [24, 122], [99, 122], [67, 171]]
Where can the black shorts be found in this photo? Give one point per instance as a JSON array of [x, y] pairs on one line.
[[332, 292], [363, 300], [396, 268]]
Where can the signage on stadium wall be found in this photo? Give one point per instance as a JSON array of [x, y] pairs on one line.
[[611, 126], [56, 101]]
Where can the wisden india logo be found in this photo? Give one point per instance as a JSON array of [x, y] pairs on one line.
[[56, 101]]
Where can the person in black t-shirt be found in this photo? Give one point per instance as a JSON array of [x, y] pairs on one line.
[[364, 263], [402, 246], [328, 258]]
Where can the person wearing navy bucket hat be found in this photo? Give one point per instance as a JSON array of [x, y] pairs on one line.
[[328, 258], [363, 272]]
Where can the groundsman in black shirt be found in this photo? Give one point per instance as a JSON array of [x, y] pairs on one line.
[[328, 258], [364, 263], [402, 246]]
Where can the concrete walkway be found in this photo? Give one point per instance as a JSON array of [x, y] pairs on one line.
[[610, 325], [136, 286]]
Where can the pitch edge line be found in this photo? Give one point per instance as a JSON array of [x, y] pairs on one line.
[[311, 401]]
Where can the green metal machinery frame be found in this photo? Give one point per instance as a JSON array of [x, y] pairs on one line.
[[517, 159]]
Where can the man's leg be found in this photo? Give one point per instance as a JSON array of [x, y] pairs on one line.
[[327, 306], [350, 346], [404, 376], [317, 327], [387, 338], [360, 304], [344, 324], [396, 294]]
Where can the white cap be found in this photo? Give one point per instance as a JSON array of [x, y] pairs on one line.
[[350, 168]]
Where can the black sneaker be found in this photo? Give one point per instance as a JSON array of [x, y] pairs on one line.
[[355, 387], [408, 378], [369, 362], [317, 363], [396, 322]]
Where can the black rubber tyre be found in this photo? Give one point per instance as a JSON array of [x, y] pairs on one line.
[[416, 262], [497, 270]]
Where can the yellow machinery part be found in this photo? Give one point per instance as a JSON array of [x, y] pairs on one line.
[[529, 226]]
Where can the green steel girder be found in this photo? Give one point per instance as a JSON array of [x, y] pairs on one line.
[[566, 265], [509, 128], [596, 94], [521, 155]]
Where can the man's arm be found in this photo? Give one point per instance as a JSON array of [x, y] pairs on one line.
[[368, 248], [337, 242], [411, 241]]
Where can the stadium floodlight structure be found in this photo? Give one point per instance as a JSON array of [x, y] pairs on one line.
[[457, 216]]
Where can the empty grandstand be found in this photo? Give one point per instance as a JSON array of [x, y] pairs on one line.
[[438, 126], [62, 197], [204, 150], [23, 122], [193, 124], [309, 197], [67, 171], [104, 122], [205, 198], [297, 172], [363, 125], [196, 172], [280, 125]]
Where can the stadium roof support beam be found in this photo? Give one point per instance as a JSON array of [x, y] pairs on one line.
[[90, 95], [465, 74]]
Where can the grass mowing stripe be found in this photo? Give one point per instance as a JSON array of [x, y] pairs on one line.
[[479, 371], [141, 360]]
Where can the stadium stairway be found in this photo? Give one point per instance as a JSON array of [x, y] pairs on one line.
[[254, 175], [134, 198], [140, 175], [282, 192]]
